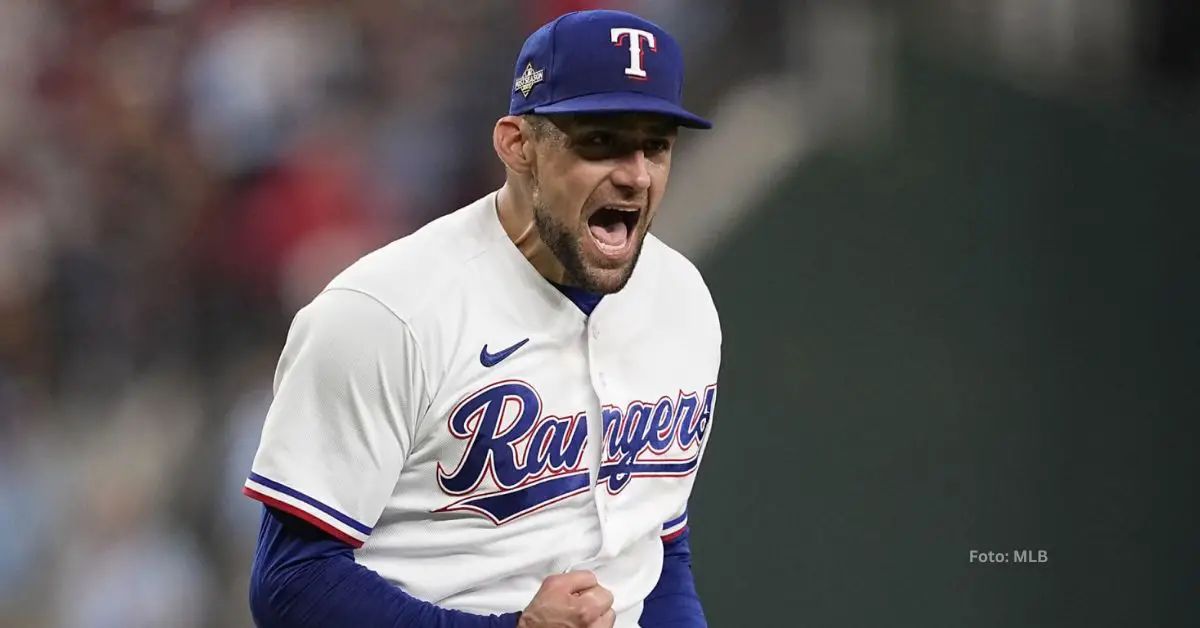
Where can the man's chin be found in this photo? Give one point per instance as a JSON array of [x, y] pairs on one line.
[[607, 276], [607, 280]]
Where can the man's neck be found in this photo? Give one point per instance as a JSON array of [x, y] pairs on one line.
[[516, 217]]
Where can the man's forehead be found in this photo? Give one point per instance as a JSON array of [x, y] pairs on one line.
[[647, 123]]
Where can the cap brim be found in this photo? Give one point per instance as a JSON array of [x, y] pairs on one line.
[[626, 102]]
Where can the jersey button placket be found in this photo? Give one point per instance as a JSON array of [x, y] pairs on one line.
[[599, 384], [598, 380]]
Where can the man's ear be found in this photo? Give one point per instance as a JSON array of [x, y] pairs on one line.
[[513, 140]]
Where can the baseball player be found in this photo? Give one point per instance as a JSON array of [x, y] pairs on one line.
[[497, 420]]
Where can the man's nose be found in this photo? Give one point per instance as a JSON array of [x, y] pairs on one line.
[[632, 172]]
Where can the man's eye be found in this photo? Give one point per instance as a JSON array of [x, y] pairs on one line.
[[598, 140], [653, 147]]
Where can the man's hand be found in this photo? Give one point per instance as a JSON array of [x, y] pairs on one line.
[[570, 600]]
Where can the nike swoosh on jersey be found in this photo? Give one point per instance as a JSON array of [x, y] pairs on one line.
[[492, 359]]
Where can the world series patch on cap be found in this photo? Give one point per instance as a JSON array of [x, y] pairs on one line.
[[601, 62]]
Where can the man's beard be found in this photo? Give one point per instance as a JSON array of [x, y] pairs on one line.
[[565, 244]]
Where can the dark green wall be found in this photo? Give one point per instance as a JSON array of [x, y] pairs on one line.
[[981, 334]]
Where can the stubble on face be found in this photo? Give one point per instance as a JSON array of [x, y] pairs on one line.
[[566, 243]]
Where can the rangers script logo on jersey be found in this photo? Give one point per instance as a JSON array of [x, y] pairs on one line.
[[533, 461]]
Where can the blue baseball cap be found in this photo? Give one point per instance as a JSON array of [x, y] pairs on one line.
[[601, 62]]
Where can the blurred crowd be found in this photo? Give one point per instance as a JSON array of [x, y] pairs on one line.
[[177, 177]]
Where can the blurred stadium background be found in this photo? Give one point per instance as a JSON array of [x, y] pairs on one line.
[[953, 242]]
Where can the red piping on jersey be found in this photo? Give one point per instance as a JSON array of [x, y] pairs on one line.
[[305, 515]]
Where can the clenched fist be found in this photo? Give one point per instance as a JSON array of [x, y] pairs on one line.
[[570, 600]]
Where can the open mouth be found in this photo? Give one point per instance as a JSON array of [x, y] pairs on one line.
[[612, 228]]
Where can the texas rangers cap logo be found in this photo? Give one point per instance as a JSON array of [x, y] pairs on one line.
[[528, 79]]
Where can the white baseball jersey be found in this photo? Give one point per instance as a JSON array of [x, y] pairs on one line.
[[450, 413]]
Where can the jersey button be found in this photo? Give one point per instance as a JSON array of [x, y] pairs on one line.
[[595, 332]]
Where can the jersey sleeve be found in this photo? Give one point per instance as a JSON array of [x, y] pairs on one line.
[[675, 526], [349, 389]]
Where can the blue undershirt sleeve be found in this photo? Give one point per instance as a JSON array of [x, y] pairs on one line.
[[674, 602], [305, 578]]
